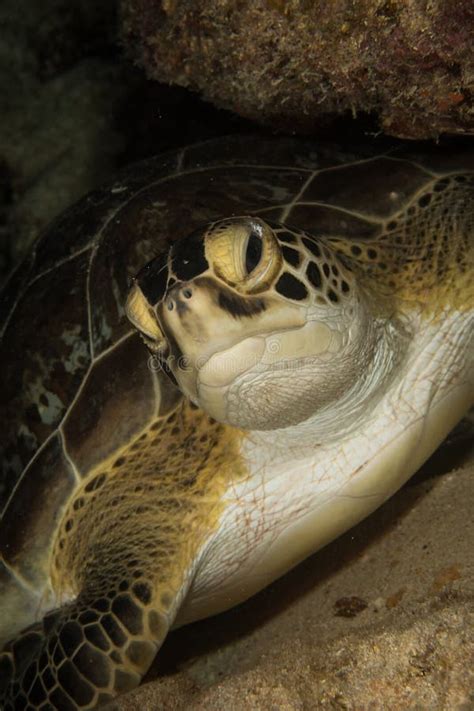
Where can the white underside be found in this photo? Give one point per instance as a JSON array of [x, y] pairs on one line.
[[299, 497]]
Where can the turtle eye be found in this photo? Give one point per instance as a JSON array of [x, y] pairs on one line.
[[244, 253], [253, 253]]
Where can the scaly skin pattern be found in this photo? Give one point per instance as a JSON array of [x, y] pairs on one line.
[[123, 576], [318, 372], [306, 488]]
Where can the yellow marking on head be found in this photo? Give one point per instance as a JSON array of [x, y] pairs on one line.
[[139, 313]]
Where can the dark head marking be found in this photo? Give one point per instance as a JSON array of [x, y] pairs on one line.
[[292, 256], [291, 287], [188, 259], [152, 279], [312, 246], [285, 236], [314, 275], [238, 306]]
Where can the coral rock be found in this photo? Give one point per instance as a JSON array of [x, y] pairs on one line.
[[295, 64]]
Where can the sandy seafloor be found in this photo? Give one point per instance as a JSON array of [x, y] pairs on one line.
[[381, 619]]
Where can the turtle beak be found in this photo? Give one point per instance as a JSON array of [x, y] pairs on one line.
[[140, 315]]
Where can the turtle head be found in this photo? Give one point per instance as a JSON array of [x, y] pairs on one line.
[[260, 325]]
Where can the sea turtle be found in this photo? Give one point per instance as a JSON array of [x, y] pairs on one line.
[[309, 340]]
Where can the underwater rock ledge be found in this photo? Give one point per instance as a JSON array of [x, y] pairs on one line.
[[295, 64]]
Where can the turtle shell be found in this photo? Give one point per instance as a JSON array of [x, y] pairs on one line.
[[74, 377]]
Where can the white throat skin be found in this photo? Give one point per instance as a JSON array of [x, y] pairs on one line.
[[338, 418], [304, 490], [313, 378], [322, 394]]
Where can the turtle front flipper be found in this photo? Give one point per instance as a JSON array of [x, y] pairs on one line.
[[125, 554], [87, 652]]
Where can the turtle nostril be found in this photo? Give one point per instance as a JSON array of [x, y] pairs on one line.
[[170, 306], [187, 293]]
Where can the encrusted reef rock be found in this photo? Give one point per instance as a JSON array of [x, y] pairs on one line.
[[295, 64]]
